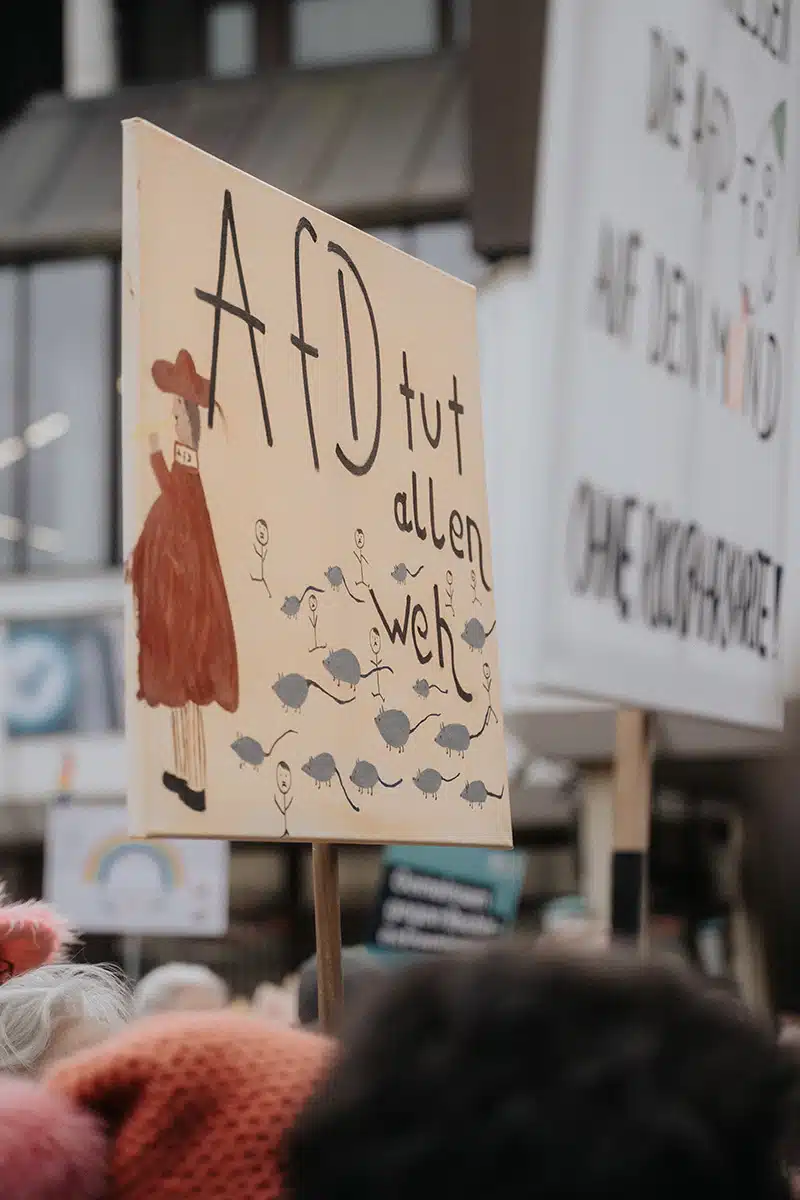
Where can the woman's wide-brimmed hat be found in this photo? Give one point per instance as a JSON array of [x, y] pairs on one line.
[[181, 378]]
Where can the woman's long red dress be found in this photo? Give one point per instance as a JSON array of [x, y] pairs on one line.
[[187, 644]]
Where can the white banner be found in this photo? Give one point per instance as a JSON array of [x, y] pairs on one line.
[[667, 226], [104, 881]]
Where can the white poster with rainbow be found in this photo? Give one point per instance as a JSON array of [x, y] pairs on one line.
[[104, 881]]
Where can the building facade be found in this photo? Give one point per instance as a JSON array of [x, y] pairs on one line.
[[417, 121]]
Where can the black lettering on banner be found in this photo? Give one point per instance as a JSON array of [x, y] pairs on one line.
[[666, 95], [763, 381], [712, 155], [443, 628], [408, 394], [401, 512], [615, 286], [366, 466], [457, 409], [419, 630], [456, 532], [419, 529], [768, 21], [471, 525], [675, 322], [439, 540], [433, 439], [298, 339], [687, 581], [396, 631], [418, 620], [243, 313], [598, 551]]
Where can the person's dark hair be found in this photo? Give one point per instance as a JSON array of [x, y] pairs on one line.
[[195, 421], [514, 1074]]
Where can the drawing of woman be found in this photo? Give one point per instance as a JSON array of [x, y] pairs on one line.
[[187, 645]]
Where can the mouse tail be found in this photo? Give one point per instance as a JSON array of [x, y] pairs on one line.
[[357, 599], [285, 733], [376, 671], [354, 807], [422, 722], [330, 695], [491, 627], [472, 736], [419, 571], [451, 779], [383, 783], [435, 688], [311, 588], [497, 795]]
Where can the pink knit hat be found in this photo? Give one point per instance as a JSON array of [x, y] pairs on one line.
[[49, 1149], [175, 1107], [31, 934]]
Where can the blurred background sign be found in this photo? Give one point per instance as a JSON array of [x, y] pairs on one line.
[[434, 899], [103, 881], [64, 676]]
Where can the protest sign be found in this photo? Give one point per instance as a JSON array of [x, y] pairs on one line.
[[103, 881], [311, 635], [436, 899], [666, 241]]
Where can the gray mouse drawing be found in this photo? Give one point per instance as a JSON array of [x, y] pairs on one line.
[[430, 780], [455, 738], [251, 753], [424, 689], [395, 727], [292, 691], [322, 768], [475, 635], [344, 667], [366, 778], [335, 577], [476, 792], [291, 605], [402, 572]]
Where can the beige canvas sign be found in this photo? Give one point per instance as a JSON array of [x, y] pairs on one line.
[[312, 650]]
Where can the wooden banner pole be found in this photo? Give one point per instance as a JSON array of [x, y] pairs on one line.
[[631, 838], [328, 925]]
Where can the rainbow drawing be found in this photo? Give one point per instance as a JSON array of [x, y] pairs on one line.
[[103, 857]]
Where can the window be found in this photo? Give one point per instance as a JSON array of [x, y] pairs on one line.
[[443, 244], [231, 40], [340, 31], [56, 415], [462, 21]]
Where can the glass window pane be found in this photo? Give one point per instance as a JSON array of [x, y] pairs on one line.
[[69, 431], [462, 20], [11, 448], [393, 235], [448, 246], [331, 31], [231, 40]]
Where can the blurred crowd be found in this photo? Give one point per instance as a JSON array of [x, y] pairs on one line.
[[563, 1069]]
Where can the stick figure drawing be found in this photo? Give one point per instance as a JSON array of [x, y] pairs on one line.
[[187, 645], [261, 547]]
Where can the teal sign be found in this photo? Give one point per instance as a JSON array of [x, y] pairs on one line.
[[436, 899]]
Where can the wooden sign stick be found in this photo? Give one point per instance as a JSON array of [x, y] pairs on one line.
[[328, 925], [632, 790]]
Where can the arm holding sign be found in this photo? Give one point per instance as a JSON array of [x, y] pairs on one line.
[[158, 463]]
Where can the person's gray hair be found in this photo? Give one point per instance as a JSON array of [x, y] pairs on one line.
[[36, 1005], [158, 991]]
